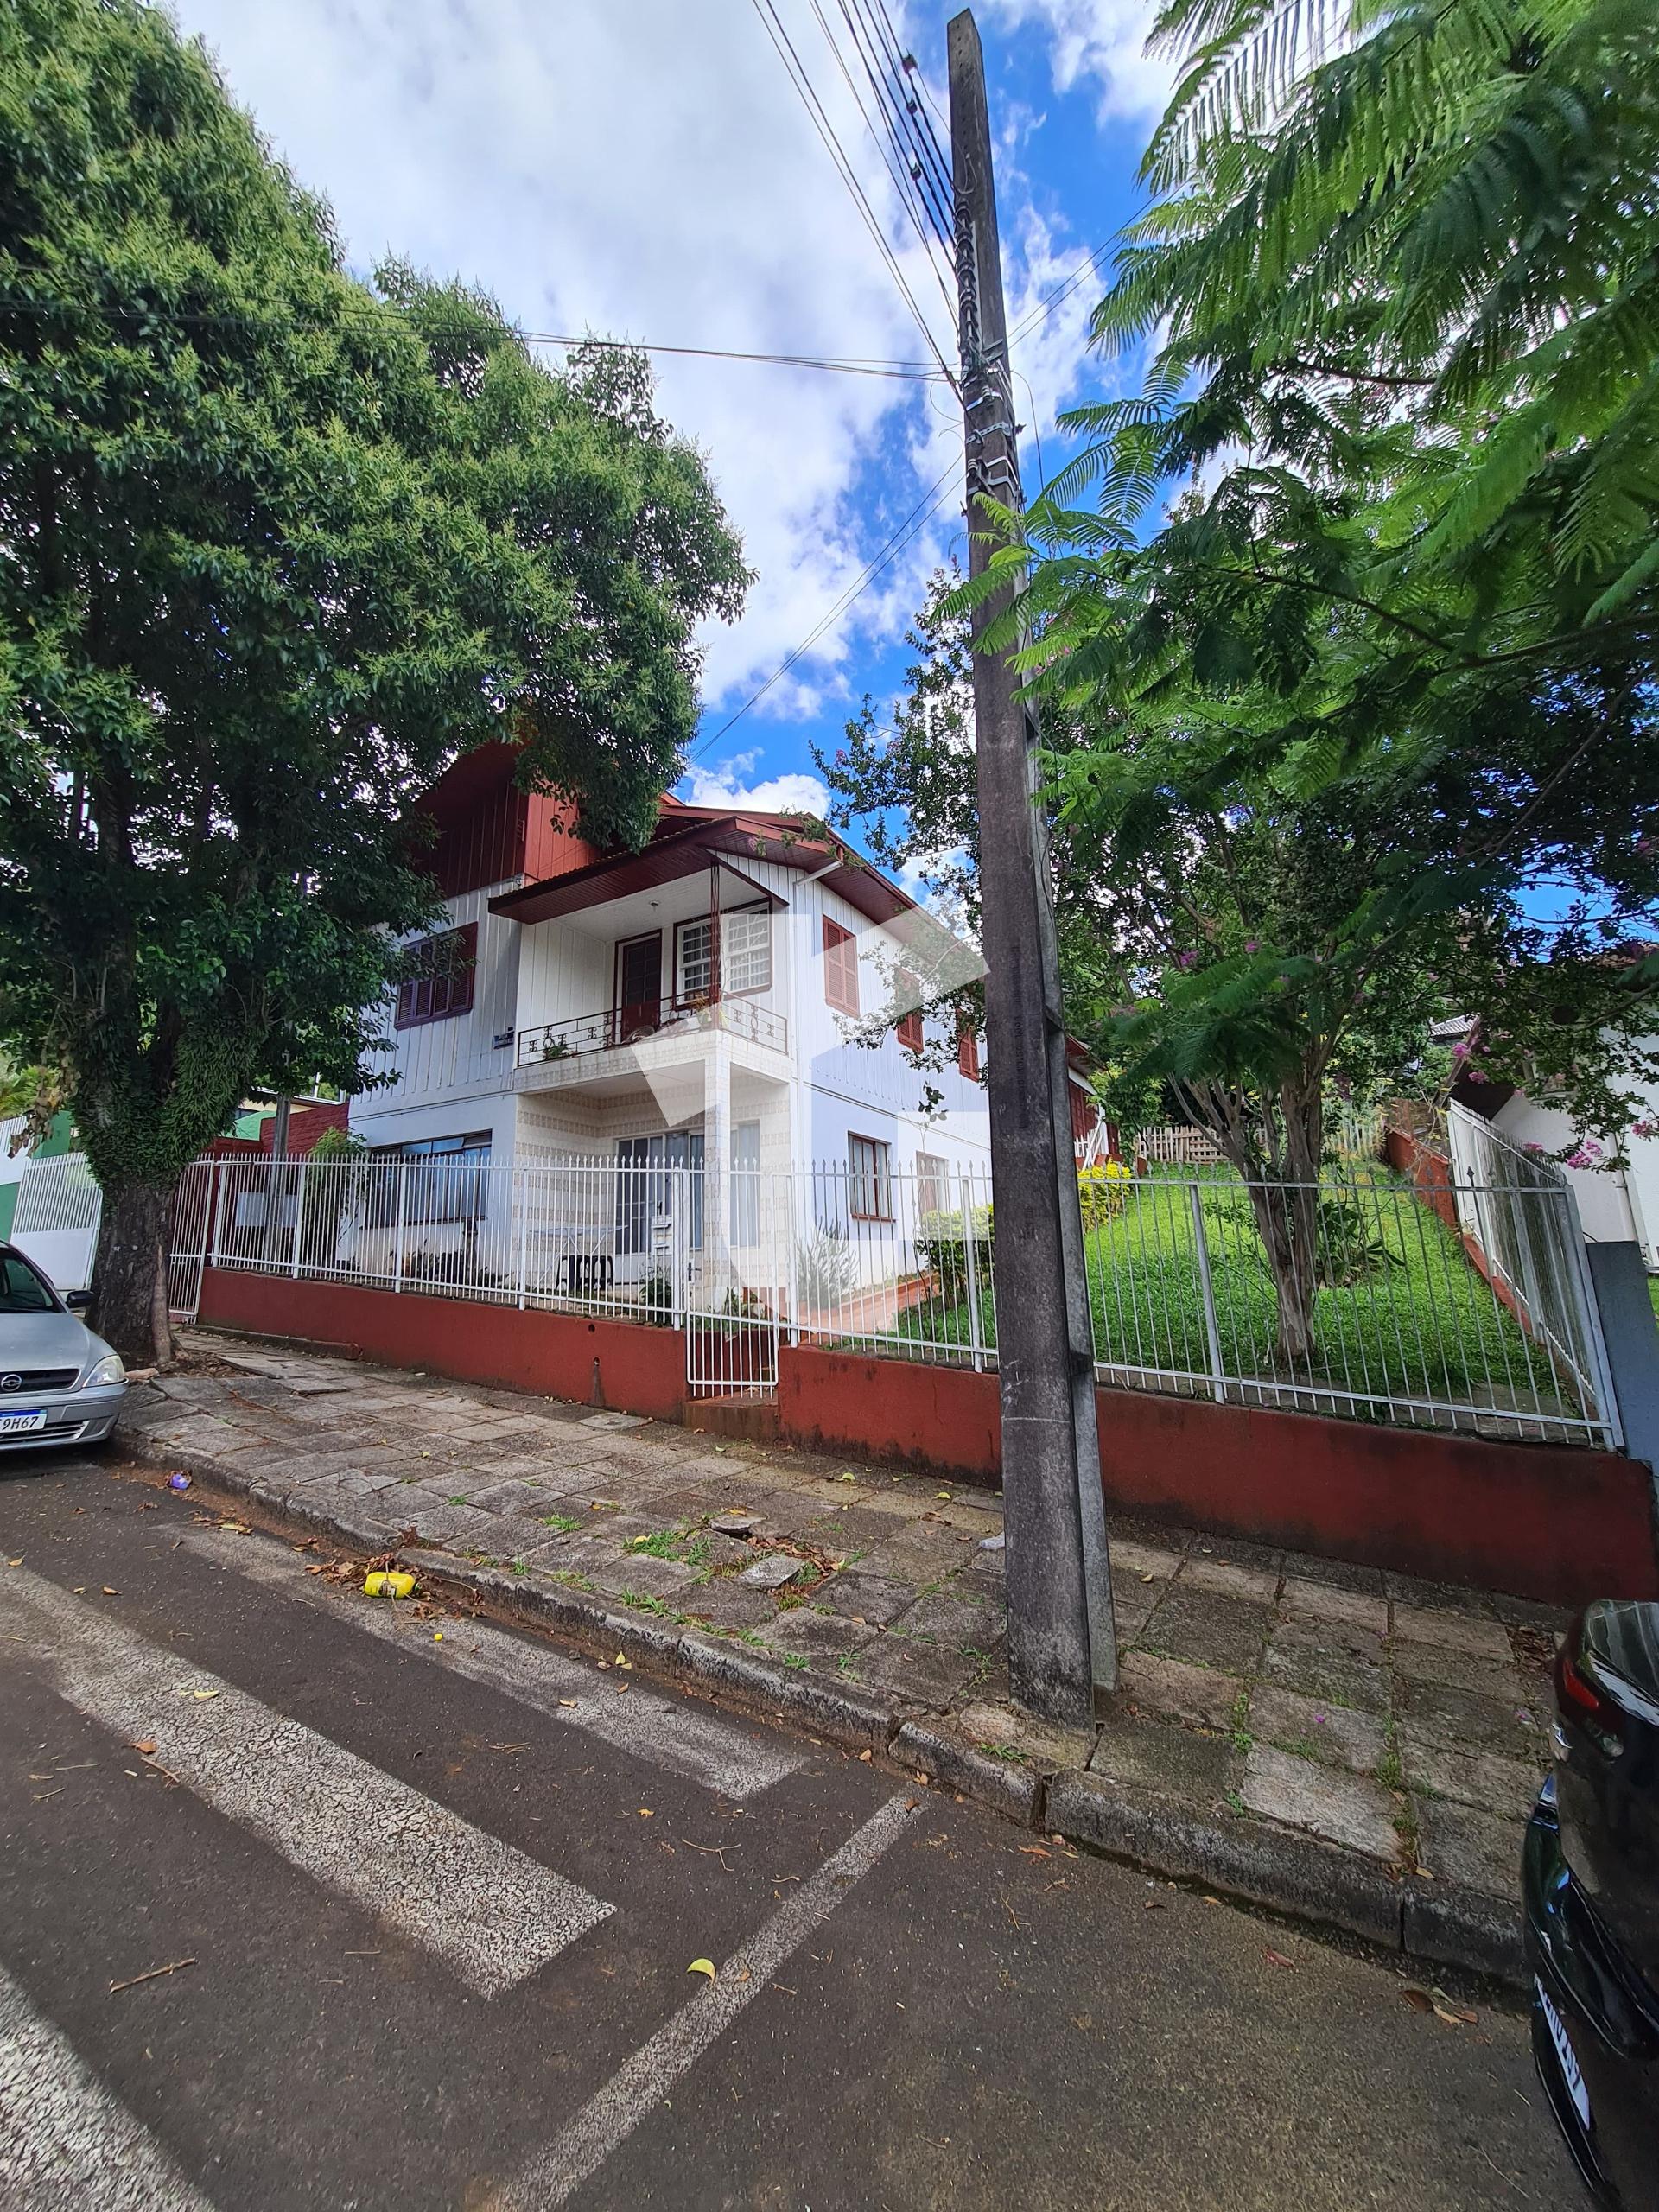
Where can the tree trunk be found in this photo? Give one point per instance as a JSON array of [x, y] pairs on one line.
[[1286, 1220], [129, 1301]]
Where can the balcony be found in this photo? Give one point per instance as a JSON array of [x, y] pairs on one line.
[[652, 1034]]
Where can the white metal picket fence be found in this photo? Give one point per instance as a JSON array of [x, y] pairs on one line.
[[56, 1216], [1406, 1329]]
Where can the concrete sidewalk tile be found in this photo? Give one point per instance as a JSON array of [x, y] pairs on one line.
[[1335, 1735], [816, 1637], [1343, 1809], [1472, 1632], [1129, 1557], [1340, 1573], [1203, 1626], [1460, 1843], [926, 1673], [1171, 1686], [1310, 1670], [1306, 1601], [1439, 1713], [1484, 1779], [725, 1604], [1258, 1586], [507, 1495], [1171, 1762], [1438, 1663], [1434, 1596], [871, 1598], [653, 1577], [1004, 1728], [964, 1624], [1132, 1607]]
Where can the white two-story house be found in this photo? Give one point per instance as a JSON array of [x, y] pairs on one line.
[[743, 996]]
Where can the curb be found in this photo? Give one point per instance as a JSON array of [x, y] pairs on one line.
[[1248, 1860]]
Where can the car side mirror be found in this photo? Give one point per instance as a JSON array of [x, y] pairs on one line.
[[78, 1301]]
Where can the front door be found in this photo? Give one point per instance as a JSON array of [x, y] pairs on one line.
[[639, 987]]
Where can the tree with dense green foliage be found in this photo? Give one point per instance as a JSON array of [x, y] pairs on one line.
[[279, 545], [1371, 559]]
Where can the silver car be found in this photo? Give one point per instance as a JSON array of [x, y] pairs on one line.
[[59, 1383]]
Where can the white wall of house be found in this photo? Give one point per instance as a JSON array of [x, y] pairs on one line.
[[452, 1078]]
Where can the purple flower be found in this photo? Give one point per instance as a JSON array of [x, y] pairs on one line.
[[1252, 944], [1186, 959], [1644, 1129]]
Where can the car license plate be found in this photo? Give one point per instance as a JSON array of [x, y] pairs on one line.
[[1570, 2073], [20, 1424]]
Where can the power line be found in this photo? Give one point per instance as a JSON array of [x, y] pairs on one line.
[[1046, 307], [891, 105], [909, 529], [902, 66], [915, 205], [912, 371], [907, 198], [796, 71]]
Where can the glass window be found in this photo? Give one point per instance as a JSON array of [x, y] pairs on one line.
[[932, 1184], [694, 978], [448, 1179], [648, 1190], [21, 1290], [745, 950], [869, 1179]]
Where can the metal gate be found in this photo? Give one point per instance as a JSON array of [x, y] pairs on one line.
[[738, 1298]]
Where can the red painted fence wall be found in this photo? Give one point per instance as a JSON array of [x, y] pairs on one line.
[[1542, 1521], [614, 1363]]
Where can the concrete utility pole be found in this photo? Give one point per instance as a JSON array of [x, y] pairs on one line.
[[1060, 1638]]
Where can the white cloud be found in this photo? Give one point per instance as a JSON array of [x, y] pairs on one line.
[[649, 172], [722, 786], [1102, 40]]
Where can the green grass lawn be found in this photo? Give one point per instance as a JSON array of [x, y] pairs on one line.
[[1414, 1320]]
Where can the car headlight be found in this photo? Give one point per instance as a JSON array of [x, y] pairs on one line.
[[108, 1370]]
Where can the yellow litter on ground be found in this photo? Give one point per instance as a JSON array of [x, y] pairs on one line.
[[388, 1582]]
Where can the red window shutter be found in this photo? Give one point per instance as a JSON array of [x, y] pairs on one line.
[[1084, 1113], [445, 984], [967, 1054], [908, 1029], [840, 968]]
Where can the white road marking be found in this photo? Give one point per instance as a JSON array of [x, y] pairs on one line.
[[607, 2120], [489, 1912], [679, 1738], [67, 2144]]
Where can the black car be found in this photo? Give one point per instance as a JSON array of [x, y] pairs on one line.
[[1591, 1878]]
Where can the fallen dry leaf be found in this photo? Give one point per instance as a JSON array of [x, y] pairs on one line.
[[146, 1744], [109, 1593], [1418, 1999], [567, 1700], [702, 1965], [1278, 1959], [645, 1813], [865, 1756], [1033, 1851]]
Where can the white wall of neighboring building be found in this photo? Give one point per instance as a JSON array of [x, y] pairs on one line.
[[1614, 1204]]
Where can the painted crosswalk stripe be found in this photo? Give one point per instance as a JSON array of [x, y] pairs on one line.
[[67, 2144], [553, 2175], [491, 1914], [676, 1738]]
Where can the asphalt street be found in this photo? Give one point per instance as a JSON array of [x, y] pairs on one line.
[[439, 1884]]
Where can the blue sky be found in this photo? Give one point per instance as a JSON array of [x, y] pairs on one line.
[[643, 169]]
